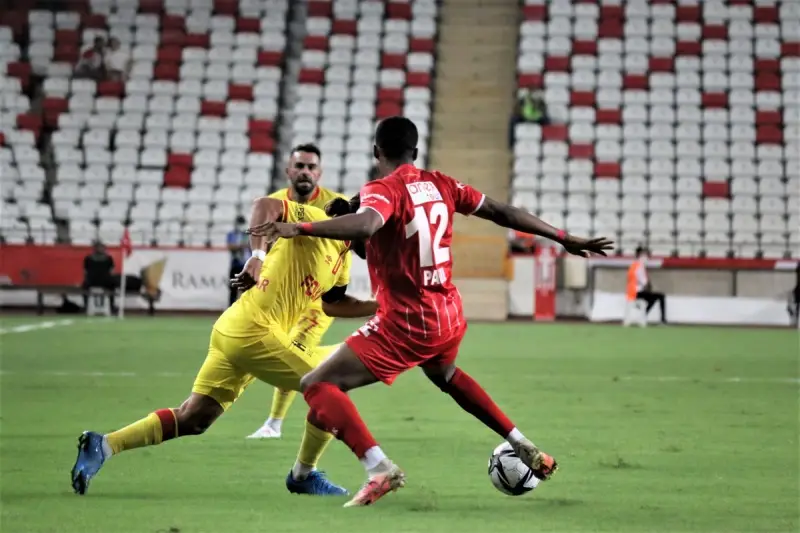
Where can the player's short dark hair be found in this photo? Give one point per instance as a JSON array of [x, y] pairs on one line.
[[640, 250], [396, 137], [341, 206], [309, 148]]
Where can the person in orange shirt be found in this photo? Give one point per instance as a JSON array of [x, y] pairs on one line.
[[639, 287]]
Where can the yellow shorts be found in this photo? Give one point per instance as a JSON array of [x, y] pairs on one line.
[[311, 327], [233, 363]]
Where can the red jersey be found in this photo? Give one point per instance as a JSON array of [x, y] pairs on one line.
[[409, 257]]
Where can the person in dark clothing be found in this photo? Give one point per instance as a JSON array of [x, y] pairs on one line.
[[644, 290], [794, 300], [98, 272], [530, 107], [239, 246]]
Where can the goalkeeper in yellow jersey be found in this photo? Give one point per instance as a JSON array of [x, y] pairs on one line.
[[251, 340], [303, 172]]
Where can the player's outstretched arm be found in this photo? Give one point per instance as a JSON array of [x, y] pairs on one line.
[[337, 304], [512, 217], [358, 226]]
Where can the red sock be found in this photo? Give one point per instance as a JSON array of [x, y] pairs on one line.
[[473, 399], [333, 411]]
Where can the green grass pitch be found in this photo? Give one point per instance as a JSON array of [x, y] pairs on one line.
[[665, 429]]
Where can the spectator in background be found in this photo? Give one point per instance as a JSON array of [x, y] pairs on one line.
[[639, 284], [794, 300], [521, 242], [239, 246], [92, 61], [98, 272], [530, 107], [117, 61]]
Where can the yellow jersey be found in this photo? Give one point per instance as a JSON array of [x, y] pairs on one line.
[[298, 272], [319, 198]]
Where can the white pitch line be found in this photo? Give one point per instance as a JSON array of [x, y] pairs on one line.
[[47, 324], [658, 379]]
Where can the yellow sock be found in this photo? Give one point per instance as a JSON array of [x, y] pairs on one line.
[[313, 446], [281, 401], [153, 429]]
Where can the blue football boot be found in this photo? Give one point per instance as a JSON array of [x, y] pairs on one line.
[[90, 460], [316, 484]]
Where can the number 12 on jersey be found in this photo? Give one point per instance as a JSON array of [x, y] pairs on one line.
[[431, 251]]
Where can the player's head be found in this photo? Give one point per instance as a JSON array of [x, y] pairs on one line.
[[338, 207], [395, 142], [641, 252], [304, 170]]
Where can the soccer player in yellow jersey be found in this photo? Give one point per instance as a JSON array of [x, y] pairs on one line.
[[303, 172], [251, 340]]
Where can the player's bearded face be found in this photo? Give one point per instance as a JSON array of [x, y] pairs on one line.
[[304, 172]]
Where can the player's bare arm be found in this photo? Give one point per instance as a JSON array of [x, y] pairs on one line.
[[264, 209], [358, 226], [518, 219], [337, 304]]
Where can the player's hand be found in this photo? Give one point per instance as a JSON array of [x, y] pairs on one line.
[[249, 275], [274, 231], [583, 247]]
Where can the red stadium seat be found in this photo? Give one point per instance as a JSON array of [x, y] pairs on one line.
[[269, 58], [261, 143], [261, 126], [534, 12], [319, 9], [662, 64], [767, 65], [52, 103], [226, 7], [388, 109], [611, 29], [715, 31], [111, 88], [582, 98], [716, 189], [766, 14], [197, 40], [237, 91], [169, 54], [588, 48], [212, 108], [167, 71], [636, 81], [768, 82], [555, 132], [612, 12], [248, 25], [557, 63], [386, 94], [688, 13], [581, 151], [179, 177], [67, 53], [393, 61], [315, 42], [399, 10], [30, 122], [151, 6], [769, 135], [71, 37], [180, 160], [768, 118], [344, 27], [418, 79], [530, 81], [173, 22], [93, 21], [715, 100], [607, 170], [173, 38], [790, 49], [420, 44], [608, 116], [688, 48], [311, 75]]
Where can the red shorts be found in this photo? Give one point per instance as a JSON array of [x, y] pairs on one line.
[[388, 355]]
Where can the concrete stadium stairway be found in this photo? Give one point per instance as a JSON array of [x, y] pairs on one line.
[[474, 93]]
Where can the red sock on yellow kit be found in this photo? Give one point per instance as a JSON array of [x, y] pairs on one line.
[[153, 429]]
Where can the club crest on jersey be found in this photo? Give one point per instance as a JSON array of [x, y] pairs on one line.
[[423, 192]]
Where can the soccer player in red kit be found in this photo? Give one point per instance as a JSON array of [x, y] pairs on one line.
[[408, 218]]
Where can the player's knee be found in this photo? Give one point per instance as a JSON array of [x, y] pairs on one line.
[[194, 422], [440, 376], [307, 380]]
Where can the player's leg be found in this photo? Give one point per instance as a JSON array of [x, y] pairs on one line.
[[280, 362], [308, 331], [217, 385], [325, 390], [472, 398]]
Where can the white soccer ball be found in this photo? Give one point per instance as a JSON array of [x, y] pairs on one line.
[[508, 473]]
